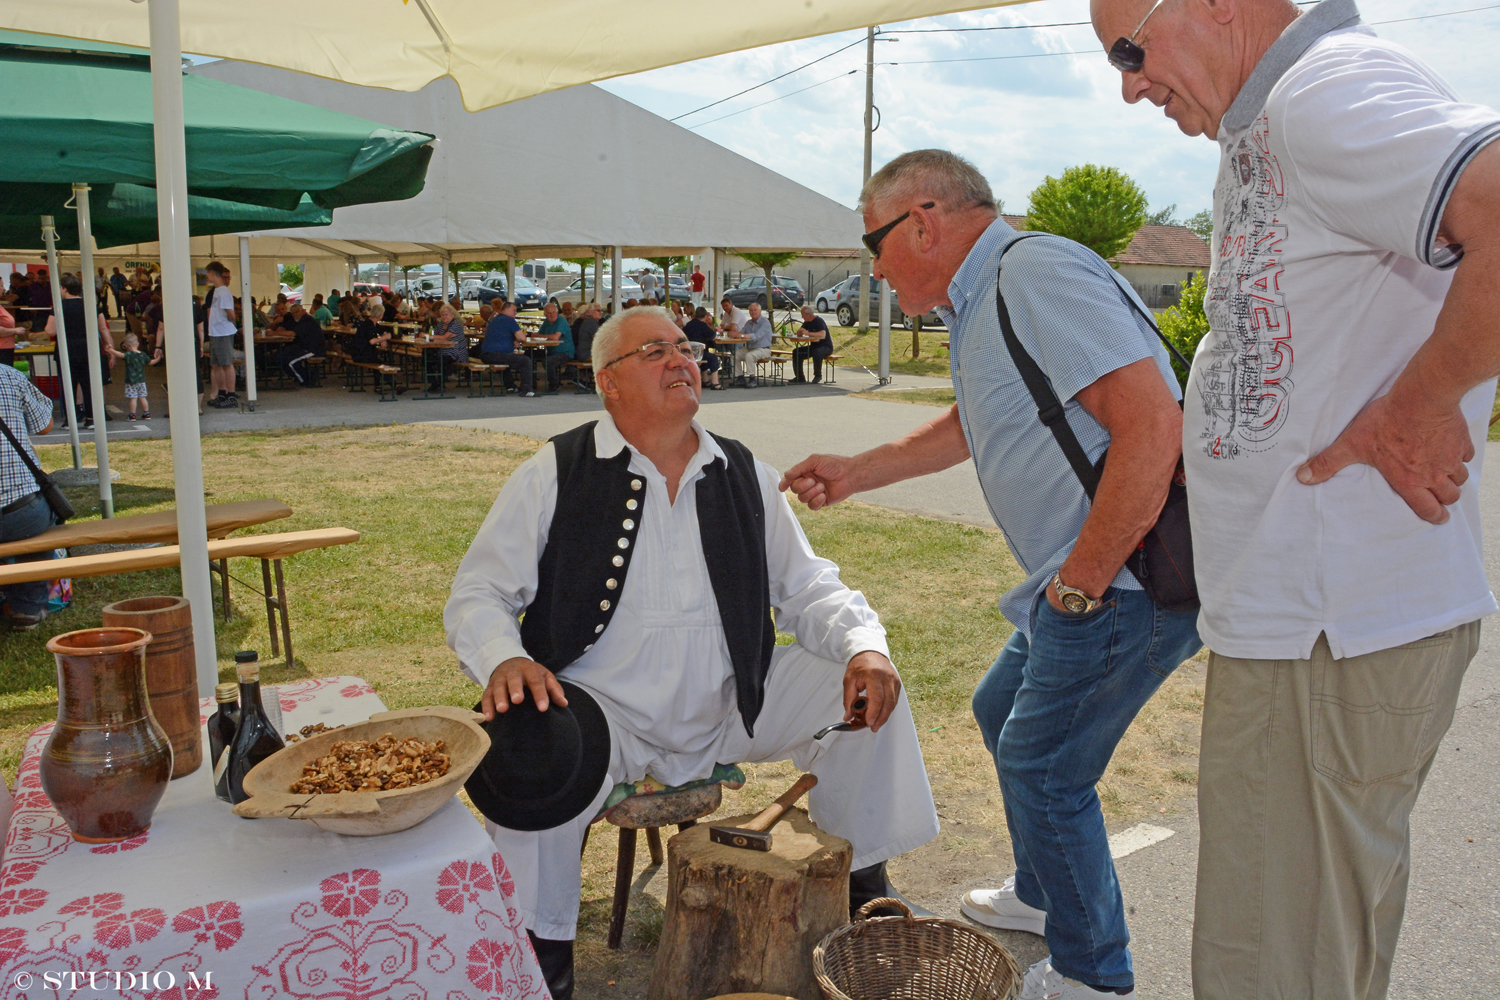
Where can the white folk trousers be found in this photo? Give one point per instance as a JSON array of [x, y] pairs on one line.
[[872, 787]]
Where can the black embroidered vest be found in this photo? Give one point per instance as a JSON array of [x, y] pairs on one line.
[[592, 540]]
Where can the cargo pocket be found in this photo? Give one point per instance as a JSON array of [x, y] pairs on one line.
[[1371, 721]]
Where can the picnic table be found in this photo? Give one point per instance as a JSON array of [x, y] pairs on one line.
[[271, 907], [422, 348]]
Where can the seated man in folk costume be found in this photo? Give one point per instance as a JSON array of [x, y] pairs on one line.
[[646, 555]]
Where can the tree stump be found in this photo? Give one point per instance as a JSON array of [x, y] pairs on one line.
[[741, 921]]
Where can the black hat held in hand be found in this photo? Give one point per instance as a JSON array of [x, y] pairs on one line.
[[542, 768]]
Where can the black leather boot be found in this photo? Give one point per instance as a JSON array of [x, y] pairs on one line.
[[556, 960], [870, 883]]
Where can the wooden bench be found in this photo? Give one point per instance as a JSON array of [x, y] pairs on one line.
[[830, 377], [383, 377], [161, 526], [476, 369], [269, 549], [582, 375]]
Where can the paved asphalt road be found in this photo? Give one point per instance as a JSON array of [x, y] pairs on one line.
[[1450, 945]]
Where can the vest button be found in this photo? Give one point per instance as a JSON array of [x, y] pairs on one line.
[[623, 543], [628, 525], [618, 560], [598, 629], [603, 605], [588, 647], [631, 505], [635, 484], [611, 583]]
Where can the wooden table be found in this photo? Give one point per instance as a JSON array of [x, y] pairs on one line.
[[423, 348], [272, 907], [733, 341], [160, 526]]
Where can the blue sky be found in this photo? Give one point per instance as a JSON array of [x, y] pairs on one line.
[[1018, 119]]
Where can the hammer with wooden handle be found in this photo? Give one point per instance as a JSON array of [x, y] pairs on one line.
[[755, 835]]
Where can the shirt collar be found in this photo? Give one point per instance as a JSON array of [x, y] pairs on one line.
[[1299, 36], [970, 274], [608, 442]]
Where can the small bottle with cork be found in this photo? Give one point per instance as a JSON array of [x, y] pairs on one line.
[[221, 729]]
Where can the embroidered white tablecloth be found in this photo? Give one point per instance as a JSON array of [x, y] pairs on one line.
[[271, 908]]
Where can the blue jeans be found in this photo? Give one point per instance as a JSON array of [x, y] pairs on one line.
[[1051, 710], [32, 519]]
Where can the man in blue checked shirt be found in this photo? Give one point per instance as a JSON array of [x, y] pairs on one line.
[[1089, 647], [23, 510]]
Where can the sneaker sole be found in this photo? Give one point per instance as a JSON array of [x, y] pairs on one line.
[[1028, 925]]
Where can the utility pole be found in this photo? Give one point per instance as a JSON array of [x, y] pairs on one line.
[[864, 253]]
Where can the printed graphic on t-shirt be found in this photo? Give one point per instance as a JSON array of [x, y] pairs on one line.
[[1245, 376]]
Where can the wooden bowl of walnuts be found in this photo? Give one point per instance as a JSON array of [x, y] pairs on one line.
[[371, 778]]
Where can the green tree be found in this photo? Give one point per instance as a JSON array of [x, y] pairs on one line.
[[666, 264], [291, 274], [1186, 323], [768, 262], [1203, 225], [1164, 217], [1100, 207]]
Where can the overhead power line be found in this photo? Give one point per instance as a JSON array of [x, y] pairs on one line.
[[772, 80], [964, 59]]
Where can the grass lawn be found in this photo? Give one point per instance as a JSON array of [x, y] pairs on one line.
[[921, 397], [417, 494], [864, 349]]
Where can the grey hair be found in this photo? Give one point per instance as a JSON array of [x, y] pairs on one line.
[[929, 174], [607, 338], [375, 309]]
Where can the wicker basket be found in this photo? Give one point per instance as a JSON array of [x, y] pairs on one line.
[[910, 958]]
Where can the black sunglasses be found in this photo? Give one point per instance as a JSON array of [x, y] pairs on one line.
[[873, 239], [1125, 55]]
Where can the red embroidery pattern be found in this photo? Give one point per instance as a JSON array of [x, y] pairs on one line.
[[356, 690], [124, 845], [20, 901], [379, 958], [462, 882], [118, 929], [217, 921]]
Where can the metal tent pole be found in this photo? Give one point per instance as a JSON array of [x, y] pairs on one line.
[[885, 333], [247, 322], [616, 279], [65, 367], [91, 328], [510, 278], [598, 275], [864, 253], [177, 304]]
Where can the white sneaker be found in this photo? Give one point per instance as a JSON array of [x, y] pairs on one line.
[[1043, 982], [1000, 908]]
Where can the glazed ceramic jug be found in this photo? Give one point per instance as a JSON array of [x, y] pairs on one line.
[[106, 765]]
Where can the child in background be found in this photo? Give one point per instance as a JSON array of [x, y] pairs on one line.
[[135, 374]]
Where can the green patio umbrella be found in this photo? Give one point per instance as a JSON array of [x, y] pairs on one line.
[[81, 112], [126, 213]]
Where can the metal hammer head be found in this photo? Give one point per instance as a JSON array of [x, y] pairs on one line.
[[734, 836]]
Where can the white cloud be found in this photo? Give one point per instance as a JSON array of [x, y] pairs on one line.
[[1019, 120]]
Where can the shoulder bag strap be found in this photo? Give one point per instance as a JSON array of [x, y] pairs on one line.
[[1048, 409], [36, 473]]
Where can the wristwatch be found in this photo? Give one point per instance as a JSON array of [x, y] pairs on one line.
[[1074, 601]]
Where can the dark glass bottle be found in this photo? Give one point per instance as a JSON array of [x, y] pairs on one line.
[[255, 739], [221, 728]]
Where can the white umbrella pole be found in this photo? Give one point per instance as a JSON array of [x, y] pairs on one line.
[[96, 365], [177, 303], [247, 324], [65, 373]]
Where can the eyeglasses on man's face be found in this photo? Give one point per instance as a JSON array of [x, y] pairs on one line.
[[657, 351], [1125, 55], [873, 239]]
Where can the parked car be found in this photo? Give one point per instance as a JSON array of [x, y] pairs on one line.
[[843, 299], [787, 292], [369, 288], [582, 290], [528, 295], [468, 289], [678, 288]]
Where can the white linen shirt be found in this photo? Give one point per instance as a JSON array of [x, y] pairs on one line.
[[661, 669]]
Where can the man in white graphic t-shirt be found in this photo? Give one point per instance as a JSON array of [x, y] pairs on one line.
[[1333, 430], [221, 331]]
